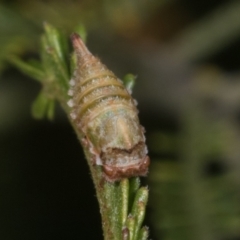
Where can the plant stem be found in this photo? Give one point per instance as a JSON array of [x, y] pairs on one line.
[[122, 204]]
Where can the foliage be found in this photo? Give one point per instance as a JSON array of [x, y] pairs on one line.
[[122, 204], [186, 201], [196, 194]]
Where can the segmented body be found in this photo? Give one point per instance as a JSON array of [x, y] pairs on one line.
[[105, 113]]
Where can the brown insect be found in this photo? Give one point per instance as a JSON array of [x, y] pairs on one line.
[[106, 114]]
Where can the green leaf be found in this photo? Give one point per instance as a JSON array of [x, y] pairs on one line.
[[143, 234], [134, 184], [32, 68], [138, 209], [131, 223], [58, 42], [54, 57], [17, 33], [43, 106], [129, 82], [124, 188], [50, 109]]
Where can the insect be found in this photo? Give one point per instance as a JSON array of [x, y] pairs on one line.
[[105, 113]]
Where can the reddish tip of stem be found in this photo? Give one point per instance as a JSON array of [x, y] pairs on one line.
[[79, 45]]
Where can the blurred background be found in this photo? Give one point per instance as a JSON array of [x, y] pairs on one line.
[[186, 55]]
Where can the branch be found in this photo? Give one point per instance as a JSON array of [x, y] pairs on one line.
[[122, 203]]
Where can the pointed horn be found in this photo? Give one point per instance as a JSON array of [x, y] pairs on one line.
[[79, 45]]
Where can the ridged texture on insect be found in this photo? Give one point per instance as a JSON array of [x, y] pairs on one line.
[[105, 113]]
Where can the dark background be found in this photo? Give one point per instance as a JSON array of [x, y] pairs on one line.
[[186, 55]]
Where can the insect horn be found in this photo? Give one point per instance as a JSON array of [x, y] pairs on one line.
[[79, 46]]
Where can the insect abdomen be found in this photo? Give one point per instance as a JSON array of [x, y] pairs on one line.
[[106, 114], [97, 90]]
